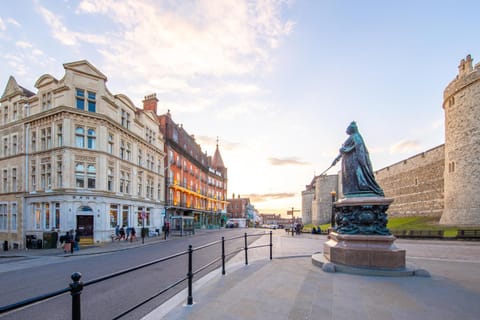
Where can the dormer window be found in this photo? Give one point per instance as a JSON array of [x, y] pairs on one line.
[[81, 94]]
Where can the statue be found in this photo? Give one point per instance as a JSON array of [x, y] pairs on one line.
[[358, 179]]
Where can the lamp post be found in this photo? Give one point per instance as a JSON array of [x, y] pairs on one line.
[[332, 219]]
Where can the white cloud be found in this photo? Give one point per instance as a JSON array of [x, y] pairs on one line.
[[182, 40], [63, 34], [405, 146], [23, 44]]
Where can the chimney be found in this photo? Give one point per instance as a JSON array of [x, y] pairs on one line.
[[150, 103]]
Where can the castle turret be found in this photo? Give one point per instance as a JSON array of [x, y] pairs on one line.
[[461, 105]]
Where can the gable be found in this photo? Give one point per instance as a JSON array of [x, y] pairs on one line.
[[85, 67]]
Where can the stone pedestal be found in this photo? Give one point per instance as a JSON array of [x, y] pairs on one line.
[[371, 251]]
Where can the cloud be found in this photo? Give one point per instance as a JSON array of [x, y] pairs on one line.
[[4, 22], [23, 44], [212, 141], [255, 197], [63, 34], [287, 161], [405, 146], [179, 41]]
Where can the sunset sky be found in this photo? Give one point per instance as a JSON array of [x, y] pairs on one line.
[[277, 81]]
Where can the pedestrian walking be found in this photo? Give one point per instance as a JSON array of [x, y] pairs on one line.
[[76, 241], [117, 232], [68, 246], [122, 234], [129, 230], [133, 235]]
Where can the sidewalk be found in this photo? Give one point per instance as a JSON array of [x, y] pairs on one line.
[[291, 287]]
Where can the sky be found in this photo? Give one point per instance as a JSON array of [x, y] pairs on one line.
[[277, 81]]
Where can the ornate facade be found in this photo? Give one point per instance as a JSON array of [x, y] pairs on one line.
[[76, 157]]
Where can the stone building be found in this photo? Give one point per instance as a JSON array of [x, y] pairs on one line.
[[75, 156], [444, 181], [196, 183]]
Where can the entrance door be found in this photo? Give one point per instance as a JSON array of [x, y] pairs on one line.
[[85, 226]]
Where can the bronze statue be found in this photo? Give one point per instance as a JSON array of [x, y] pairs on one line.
[[358, 179]]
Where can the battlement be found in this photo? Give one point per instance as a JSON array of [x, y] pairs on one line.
[[467, 74]]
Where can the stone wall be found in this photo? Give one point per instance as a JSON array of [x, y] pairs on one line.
[[416, 184], [322, 202]]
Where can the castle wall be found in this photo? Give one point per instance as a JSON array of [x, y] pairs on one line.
[[462, 146], [416, 184], [322, 202], [307, 198]]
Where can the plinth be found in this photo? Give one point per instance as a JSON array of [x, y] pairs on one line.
[[361, 238], [372, 251]]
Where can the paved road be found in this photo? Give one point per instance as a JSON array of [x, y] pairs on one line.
[[31, 275]]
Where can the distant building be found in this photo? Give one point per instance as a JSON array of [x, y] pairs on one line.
[[196, 183]]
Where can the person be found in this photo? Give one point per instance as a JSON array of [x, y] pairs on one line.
[[122, 234], [358, 179], [132, 234], [76, 241], [128, 233], [68, 246], [117, 232], [167, 229]]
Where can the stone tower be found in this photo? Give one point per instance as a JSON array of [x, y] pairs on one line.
[[461, 104]]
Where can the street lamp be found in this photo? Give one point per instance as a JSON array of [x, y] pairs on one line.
[[332, 219]]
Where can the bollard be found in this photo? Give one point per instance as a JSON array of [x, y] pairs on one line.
[[76, 290], [246, 250], [190, 276], [223, 255], [271, 245]]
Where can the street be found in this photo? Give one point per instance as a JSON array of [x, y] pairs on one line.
[[111, 298]]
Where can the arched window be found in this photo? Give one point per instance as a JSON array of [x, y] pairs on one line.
[[80, 137]]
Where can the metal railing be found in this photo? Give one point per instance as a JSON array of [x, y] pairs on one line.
[[76, 286]]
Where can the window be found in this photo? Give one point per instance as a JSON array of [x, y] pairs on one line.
[[46, 101], [33, 141], [125, 216], [5, 147], [3, 216], [124, 182], [91, 176], [150, 187], [159, 191], [33, 175], [91, 139], [143, 216], [56, 206], [80, 99], [125, 119], [140, 157], [139, 185], [59, 135], [5, 180], [37, 212], [14, 180], [128, 151], [5, 115], [80, 137], [14, 145], [15, 111], [59, 172], [81, 175], [122, 149], [46, 207], [110, 179], [113, 215], [110, 143], [91, 101], [46, 138], [13, 218]]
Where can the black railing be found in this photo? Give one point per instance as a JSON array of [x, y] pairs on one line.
[[75, 288]]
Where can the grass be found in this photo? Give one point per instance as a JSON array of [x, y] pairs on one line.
[[409, 223]]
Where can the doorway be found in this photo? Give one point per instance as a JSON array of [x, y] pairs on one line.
[[85, 228]]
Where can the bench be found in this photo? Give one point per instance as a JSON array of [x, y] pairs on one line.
[[468, 234], [425, 234]]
